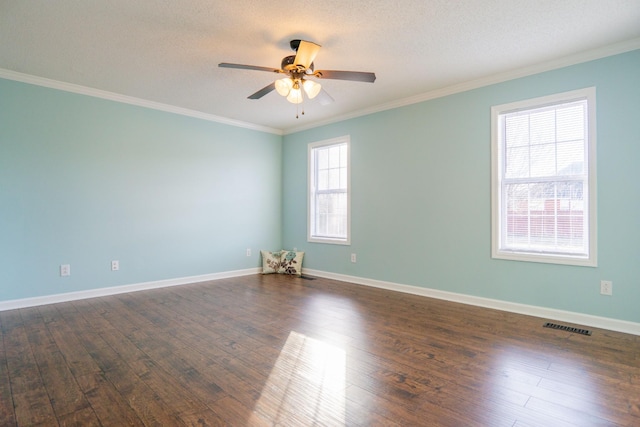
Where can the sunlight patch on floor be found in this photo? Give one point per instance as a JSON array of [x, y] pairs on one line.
[[306, 384]]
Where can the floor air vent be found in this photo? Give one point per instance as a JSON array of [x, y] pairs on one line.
[[567, 328], [307, 277]]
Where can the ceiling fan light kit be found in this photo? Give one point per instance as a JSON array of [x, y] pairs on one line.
[[295, 95], [297, 67], [284, 86], [290, 88], [311, 88]]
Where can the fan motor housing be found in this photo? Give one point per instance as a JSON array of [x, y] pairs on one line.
[[288, 64]]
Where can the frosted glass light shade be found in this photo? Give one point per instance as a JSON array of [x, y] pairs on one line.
[[311, 88], [283, 86], [295, 96]]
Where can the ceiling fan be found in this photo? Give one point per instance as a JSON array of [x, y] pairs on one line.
[[299, 68]]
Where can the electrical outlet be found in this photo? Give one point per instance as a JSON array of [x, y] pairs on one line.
[[65, 270], [353, 258], [606, 287], [248, 252], [115, 265]]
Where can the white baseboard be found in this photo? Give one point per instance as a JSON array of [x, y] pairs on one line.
[[101, 292], [529, 310]]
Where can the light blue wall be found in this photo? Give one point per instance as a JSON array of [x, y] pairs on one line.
[[84, 181], [421, 196]]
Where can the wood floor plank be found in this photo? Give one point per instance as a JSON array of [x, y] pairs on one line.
[[280, 350], [146, 404], [221, 370], [107, 403], [168, 388], [203, 418], [64, 393], [83, 417], [29, 395], [7, 413], [231, 411], [63, 325], [174, 359]]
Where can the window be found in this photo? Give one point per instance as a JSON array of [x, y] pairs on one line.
[[543, 179], [329, 201]]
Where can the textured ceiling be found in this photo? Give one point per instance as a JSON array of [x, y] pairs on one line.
[[167, 51]]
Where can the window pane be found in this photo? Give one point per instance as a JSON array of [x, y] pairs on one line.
[[517, 162], [323, 158], [571, 123], [517, 199], [570, 158], [543, 160], [343, 178], [334, 157], [543, 127], [332, 214], [334, 178], [323, 180], [516, 130], [343, 155], [545, 215]]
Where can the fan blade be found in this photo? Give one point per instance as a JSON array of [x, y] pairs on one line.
[[249, 67], [324, 98], [357, 76], [262, 92], [307, 52]]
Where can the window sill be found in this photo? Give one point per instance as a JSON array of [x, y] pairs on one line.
[[329, 241], [546, 259]]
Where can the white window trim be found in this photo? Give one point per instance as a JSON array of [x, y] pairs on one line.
[[591, 261], [339, 140]]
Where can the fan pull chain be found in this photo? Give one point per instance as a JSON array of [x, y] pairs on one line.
[[301, 103]]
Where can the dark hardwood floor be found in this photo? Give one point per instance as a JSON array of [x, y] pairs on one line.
[[280, 350]]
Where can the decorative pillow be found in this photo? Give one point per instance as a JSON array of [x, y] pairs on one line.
[[271, 261], [291, 262]]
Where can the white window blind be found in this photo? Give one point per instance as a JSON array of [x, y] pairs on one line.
[[543, 178], [329, 191]]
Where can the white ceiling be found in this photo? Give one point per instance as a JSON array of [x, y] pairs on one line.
[[167, 51]]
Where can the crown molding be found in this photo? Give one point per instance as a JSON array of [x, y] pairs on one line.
[[590, 55], [567, 61], [125, 99]]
